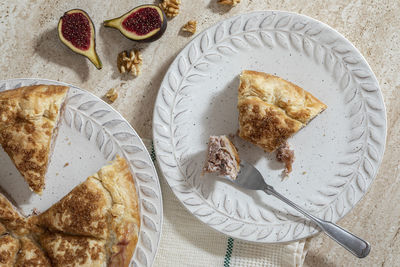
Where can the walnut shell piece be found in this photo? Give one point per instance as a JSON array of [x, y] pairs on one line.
[[190, 26], [111, 95], [229, 2], [171, 7], [129, 62]]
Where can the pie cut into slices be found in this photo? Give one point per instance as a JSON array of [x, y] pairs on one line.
[[272, 109], [29, 118], [105, 208], [96, 224], [222, 157]]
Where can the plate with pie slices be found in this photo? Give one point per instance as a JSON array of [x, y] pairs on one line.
[[74, 172], [261, 87]]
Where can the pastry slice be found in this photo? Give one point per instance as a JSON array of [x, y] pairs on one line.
[[29, 118], [222, 157], [70, 251], [84, 211], [104, 207], [272, 109], [11, 219], [31, 254], [9, 247]]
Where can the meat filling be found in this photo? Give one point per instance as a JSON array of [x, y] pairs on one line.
[[286, 155], [222, 157]]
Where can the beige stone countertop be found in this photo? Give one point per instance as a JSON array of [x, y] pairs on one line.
[[30, 48]]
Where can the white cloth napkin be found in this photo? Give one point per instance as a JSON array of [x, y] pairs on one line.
[[185, 241]]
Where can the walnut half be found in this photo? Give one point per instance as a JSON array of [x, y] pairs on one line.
[[229, 2], [129, 62], [171, 7], [190, 26]]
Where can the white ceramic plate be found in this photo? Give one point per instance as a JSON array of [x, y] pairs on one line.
[[90, 135], [337, 154]]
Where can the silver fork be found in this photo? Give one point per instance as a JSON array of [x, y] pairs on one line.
[[249, 177]]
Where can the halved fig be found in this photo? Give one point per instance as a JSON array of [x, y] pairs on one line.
[[76, 31], [144, 23]]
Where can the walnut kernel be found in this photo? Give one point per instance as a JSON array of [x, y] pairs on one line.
[[229, 2], [171, 7], [112, 95], [190, 26], [129, 62]]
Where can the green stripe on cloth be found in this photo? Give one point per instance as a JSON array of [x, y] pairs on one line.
[[228, 254], [152, 152]]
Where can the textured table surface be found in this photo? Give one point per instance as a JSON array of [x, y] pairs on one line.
[[30, 48]]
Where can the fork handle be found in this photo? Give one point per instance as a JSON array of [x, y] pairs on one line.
[[352, 243]]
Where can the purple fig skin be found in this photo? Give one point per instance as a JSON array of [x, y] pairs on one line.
[[153, 37]]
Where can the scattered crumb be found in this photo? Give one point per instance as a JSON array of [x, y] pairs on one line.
[[286, 155], [284, 176], [69, 143], [57, 173], [111, 95], [304, 173], [66, 164]]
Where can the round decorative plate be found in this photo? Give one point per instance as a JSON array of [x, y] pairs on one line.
[[90, 135], [337, 154]]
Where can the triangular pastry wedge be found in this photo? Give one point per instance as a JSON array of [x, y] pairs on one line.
[[73, 251], [272, 109], [84, 211], [104, 207], [29, 118]]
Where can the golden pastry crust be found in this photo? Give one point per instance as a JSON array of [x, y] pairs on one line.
[[11, 219], [70, 251], [3, 229], [31, 254], [125, 218], [272, 109], [232, 149], [105, 207], [84, 211], [28, 118], [9, 247]]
